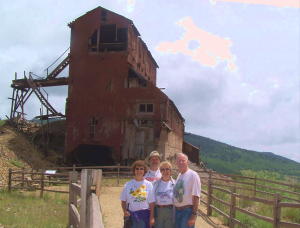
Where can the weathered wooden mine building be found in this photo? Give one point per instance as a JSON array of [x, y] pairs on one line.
[[115, 113]]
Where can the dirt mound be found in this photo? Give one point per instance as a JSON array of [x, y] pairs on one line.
[[17, 151], [50, 139]]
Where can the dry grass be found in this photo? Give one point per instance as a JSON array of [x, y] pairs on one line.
[[27, 210]]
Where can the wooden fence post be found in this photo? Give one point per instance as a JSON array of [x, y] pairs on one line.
[[209, 194], [73, 177], [232, 207], [98, 183], [23, 171], [9, 179], [118, 180], [254, 186], [86, 179], [42, 184], [276, 211], [31, 175]]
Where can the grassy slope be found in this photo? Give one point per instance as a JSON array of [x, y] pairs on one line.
[[229, 159], [27, 210]]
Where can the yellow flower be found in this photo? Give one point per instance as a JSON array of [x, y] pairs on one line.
[[143, 186], [133, 194], [144, 194]]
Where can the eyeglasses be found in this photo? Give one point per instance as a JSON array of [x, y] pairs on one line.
[[137, 168], [165, 169]]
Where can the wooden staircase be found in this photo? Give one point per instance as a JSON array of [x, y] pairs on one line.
[[36, 89], [59, 68]]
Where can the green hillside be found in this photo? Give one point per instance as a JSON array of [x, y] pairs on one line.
[[229, 159]]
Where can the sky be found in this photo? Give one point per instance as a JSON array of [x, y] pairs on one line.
[[232, 67]]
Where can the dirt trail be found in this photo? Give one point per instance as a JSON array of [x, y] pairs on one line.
[[112, 212]]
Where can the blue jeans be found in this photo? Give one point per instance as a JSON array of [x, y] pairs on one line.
[[182, 217], [140, 219]]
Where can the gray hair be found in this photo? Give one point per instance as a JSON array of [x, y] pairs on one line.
[[182, 155]]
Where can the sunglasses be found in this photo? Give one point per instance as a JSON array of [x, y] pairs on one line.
[[139, 168], [165, 169]]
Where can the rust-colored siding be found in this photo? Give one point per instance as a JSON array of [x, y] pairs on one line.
[[113, 107]]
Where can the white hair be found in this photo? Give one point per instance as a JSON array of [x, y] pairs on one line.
[[182, 155]]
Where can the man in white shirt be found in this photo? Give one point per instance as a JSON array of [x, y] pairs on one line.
[[153, 174], [186, 194]]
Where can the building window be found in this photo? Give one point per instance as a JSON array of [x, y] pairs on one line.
[[108, 38], [92, 127], [146, 108], [142, 108], [135, 80], [136, 83], [149, 107], [93, 41]]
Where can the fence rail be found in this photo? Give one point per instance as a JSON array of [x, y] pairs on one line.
[[232, 206], [41, 180]]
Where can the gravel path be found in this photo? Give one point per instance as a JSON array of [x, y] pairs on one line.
[[112, 212]]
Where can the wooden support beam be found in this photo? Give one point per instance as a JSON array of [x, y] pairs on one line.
[[22, 83]]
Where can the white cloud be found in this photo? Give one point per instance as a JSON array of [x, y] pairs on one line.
[[203, 47]]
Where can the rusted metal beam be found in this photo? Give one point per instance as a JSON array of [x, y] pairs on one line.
[[22, 83]]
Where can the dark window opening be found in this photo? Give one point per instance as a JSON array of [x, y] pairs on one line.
[[143, 83], [93, 41], [92, 127], [146, 108], [142, 108], [136, 83], [109, 38], [108, 33], [149, 107], [135, 80], [122, 35]]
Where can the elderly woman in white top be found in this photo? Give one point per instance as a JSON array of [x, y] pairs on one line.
[[137, 194], [162, 214]]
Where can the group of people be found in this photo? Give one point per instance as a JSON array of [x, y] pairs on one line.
[[153, 199]]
